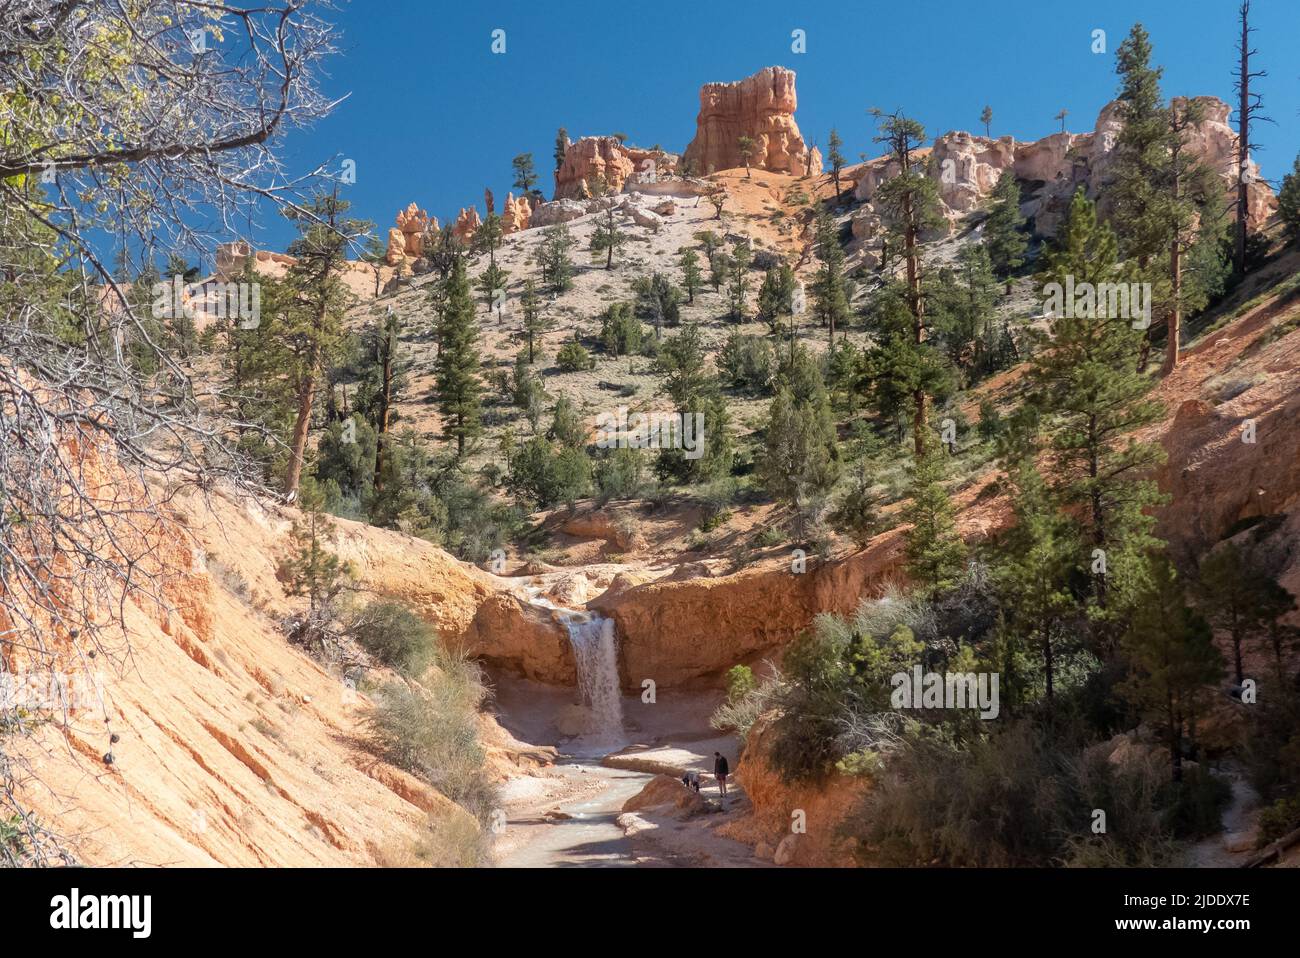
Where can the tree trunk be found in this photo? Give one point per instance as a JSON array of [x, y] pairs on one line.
[[298, 445], [385, 404], [1175, 324], [1243, 142]]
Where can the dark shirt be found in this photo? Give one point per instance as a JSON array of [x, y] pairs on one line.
[[720, 766]]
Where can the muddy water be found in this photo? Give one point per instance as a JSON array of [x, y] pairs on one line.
[[591, 836]]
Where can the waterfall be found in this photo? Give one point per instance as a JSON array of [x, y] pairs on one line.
[[596, 657]]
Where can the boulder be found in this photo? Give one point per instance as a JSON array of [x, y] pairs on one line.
[[663, 793], [557, 211]]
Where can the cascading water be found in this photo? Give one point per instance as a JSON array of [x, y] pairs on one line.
[[595, 654]]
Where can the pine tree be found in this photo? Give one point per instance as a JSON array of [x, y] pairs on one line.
[[745, 146], [1288, 203], [986, 117], [836, 159], [936, 554], [458, 389], [311, 569], [692, 279], [1193, 198], [492, 285], [554, 259], [1238, 598], [738, 279], [1172, 660], [911, 202], [830, 293], [658, 301], [1086, 384], [776, 295], [1002, 230], [488, 237], [1031, 574], [535, 323], [607, 237], [315, 325], [525, 174], [561, 147]]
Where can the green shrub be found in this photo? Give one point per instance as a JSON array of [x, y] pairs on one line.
[[573, 357], [740, 682], [1278, 819], [394, 635], [430, 729]]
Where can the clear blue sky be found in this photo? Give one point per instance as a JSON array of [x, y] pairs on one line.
[[433, 115]]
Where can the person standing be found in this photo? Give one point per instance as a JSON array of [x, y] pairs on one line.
[[720, 772]]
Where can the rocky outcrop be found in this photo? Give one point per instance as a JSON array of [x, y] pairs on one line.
[[407, 238], [557, 211], [760, 107], [525, 639], [690, 630], [466, 225], [517, 214], [607, 158], [966, 167], [770, 826]]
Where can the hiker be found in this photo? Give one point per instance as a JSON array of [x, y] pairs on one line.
[[720, 772], [692, 780]]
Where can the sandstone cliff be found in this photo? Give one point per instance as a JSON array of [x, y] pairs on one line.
[[761, 107]]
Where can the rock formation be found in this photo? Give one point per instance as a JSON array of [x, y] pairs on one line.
[[516, 214], [761, 107], [607, 157], [407, 238], [466, 225], [966, 167]]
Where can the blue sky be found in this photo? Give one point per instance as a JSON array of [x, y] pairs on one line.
[[433, 116]]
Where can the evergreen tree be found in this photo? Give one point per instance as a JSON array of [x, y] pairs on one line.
[[1003, 237], [658, 301], [776, 295], [745, 146], [986, 117], [738, 279], [936, 554], [554, 259], [488, 237], [1288, 203], [607, 237], [1239, 599], [314, 325], [492, 284], [561, 147], [692, 279], [535, 323], [1031, 573], [1086, 383], [911, 203], [620, 330], [1172, 660], [458, 389], [836, 159], [311, 569], [830, 293], [525, 174]]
